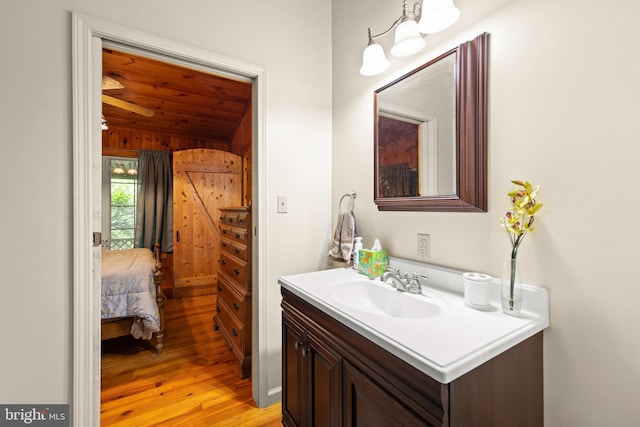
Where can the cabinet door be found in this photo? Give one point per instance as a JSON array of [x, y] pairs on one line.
[[292, 374], [312, 378], [324, 385], [368, 405]]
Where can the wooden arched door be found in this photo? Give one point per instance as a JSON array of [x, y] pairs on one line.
[[204, 180]]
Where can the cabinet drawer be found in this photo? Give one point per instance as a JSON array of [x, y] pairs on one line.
[[236, 249], [235, 268], [231, 328], [231, 217], [228, 218], [234, 233], [235, 302], [243, 219]]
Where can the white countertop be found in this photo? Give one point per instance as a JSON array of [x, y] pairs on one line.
[[443, 347]]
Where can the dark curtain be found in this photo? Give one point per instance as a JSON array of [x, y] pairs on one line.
[[154, 212]]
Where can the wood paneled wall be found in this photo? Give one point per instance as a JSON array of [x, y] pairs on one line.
[[241, 141], [127, 142], [241, 145], [398, 142]]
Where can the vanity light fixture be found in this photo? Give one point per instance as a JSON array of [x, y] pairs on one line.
[[429, 17]]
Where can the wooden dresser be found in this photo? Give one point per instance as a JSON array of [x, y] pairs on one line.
[[234, 308]]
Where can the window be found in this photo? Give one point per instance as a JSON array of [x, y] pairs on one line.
[[120, 183]]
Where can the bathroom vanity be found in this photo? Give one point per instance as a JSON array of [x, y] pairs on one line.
[[351, 357]]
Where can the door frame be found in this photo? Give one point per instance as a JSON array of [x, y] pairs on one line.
[[88, 34]]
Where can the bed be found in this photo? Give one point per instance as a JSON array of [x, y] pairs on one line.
[[132, 301]]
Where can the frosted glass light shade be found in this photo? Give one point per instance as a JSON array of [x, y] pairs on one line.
[[407, 39], [437, 15], [373, 60]]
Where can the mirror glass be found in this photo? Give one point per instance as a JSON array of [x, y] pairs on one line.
[[430, 135], [417, 133]]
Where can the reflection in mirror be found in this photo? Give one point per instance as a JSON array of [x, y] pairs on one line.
[[417, 133], [430, 134]]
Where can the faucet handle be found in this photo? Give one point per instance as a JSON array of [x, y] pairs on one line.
[[395, 271], [415, 287]]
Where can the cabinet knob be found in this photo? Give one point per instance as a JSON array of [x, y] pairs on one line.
[[234, 332], [237, 235], [235, 306], [236, 250], [223, 262], [218, 310], [236, 271], [219, 288]]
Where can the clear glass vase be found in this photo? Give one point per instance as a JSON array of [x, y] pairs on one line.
[[511, 287]]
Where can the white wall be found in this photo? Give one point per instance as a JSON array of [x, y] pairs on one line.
[[36, 173], [563, 112]]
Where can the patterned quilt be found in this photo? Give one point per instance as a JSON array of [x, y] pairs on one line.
[[128, 289]]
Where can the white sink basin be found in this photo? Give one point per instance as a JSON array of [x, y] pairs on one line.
[[436, 332], [381, 299]]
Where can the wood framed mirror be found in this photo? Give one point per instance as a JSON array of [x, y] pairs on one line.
[[430, 134]]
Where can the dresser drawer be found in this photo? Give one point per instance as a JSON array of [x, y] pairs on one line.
[[236, 249], [235, 302], [235, 218], [231, 328], [234, 233], [243, 219], [236, 269], [229, 218], [234, 311]]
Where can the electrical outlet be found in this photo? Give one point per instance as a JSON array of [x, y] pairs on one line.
[[424, 245]]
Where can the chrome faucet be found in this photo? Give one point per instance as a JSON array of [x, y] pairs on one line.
[[401, 281], [393, 278]]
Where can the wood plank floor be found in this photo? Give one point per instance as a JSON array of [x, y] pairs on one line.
[[194, 382]]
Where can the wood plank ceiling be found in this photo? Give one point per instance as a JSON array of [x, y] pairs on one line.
[[183, 102]]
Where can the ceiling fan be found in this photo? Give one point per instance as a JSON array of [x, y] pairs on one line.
[[109, 83]]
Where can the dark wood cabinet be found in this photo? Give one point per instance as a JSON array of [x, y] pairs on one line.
[[312, 373], [333, 376], [234, 307]]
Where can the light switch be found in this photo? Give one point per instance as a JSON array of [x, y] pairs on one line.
[[283, 206]]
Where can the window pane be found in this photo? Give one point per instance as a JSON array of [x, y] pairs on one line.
[[123, 216], [124, 188]]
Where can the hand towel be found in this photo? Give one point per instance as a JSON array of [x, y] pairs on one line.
[[344, 237]]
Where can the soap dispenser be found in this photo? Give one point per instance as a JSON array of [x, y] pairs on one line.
[[356, 253]]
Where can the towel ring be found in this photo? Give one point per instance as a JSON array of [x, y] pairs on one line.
[[351, 196]]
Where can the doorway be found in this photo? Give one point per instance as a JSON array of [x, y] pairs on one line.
[[88, 36]]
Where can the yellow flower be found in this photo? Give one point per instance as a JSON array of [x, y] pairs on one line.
[[518, 220]]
